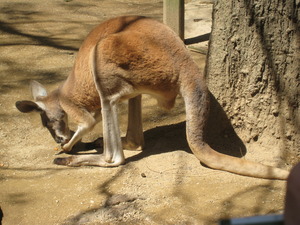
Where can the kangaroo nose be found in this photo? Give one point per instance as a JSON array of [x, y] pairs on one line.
[[64, 141], [58, 139]]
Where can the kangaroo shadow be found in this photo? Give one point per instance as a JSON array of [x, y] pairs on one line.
[[219, 134]]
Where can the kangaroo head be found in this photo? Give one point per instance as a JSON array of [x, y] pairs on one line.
[[53, 116]]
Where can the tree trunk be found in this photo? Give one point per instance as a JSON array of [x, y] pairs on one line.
[[253, 68]]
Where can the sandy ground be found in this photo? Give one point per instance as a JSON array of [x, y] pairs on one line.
[[164, 184]]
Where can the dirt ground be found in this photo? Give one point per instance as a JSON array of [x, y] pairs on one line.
[[164, 184]]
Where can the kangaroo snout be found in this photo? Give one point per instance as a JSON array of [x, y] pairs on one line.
[[61, 140], [60, 134]]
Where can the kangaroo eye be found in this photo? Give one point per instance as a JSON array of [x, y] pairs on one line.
[[53, 120], [50, 123]]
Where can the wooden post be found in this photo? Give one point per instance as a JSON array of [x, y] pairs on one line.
[[174, 16]]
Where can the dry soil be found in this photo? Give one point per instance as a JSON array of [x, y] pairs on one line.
[[164, 184]]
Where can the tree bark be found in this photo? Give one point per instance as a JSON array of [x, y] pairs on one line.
[[253, 68]]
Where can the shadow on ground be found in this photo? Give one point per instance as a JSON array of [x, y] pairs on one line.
[[219, 134]]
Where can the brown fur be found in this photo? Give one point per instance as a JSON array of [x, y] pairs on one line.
[[121, 59]]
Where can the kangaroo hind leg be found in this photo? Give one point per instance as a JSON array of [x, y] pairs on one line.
[[84, 160], [112, 146], [134, 139]]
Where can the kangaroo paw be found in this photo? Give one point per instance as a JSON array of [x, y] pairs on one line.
[[130, 145]]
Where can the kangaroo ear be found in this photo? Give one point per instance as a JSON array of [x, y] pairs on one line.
[[28, 106], [37, 90]]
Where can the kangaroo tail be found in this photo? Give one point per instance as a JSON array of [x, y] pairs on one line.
[[196, 98]]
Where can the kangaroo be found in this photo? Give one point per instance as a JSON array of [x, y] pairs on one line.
[[121, 59]]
